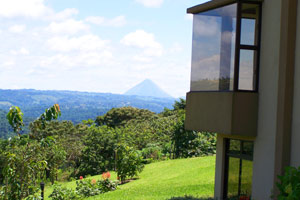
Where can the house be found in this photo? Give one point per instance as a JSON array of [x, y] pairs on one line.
[[245, 86]]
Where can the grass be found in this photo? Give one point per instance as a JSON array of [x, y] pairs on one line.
[[164, 180]]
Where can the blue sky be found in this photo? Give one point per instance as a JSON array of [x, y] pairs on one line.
[[94, 45]]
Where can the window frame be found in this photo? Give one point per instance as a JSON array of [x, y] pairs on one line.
[[241, 156], [238, 46]]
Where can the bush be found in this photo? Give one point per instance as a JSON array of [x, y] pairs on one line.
[[107, 185], [99, 154], [87, 188], [62, 193], [84, 188], [289, 185], [129, 162], [152, 152]]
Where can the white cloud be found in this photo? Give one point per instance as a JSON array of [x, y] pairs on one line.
[[22, 8], [8, 63], [205, 26], [21, 51], [146, 42], [83, 43], [17, 28], [150, 3], [85, 59], [114, 22], [69, 26], [66, 13], [95, 20]]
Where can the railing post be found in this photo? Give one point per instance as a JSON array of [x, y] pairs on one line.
[[42, 190]]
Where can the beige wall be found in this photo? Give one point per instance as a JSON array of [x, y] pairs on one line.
[[295, 151], [264, 147]]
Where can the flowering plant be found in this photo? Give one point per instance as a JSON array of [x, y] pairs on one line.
[[106, 175]]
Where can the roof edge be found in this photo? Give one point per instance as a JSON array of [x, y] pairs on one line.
[[209, 5], [214, 4]]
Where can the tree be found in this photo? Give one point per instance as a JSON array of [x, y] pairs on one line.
[[99, 154], [25, 160], [129, 162], [15, 119], [117, 117], [179, 105]]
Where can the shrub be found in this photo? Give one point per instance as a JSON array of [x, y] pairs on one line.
[[84, 188], [129, 162], [289, 185], [87, 188], [99, 154], [107, 185], [62, 193], [152, 152]]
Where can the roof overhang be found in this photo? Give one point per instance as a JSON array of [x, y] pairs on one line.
[[213, 4]]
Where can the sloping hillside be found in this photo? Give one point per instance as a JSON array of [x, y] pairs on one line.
[[164, 180]]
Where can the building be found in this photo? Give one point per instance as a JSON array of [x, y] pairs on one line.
[[245, 86]]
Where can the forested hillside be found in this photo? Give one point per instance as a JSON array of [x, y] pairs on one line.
[[75, 106], [123, 139]]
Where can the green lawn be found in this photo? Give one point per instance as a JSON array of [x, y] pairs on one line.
[[163, 180]]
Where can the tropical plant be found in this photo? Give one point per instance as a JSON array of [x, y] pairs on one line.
[[99, 153], [121, 116], [129, 162], [289, 184], [15, 119], [25, 160], [62, 193], [23, 168]]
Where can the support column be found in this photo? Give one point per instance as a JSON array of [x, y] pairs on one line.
[[285, 87]]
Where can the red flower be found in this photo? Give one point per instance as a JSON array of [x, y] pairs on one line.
[[93, 181], [106, 175], [81, 177]]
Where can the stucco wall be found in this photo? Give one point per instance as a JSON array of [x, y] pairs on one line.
[[264, 147], [295, 151]]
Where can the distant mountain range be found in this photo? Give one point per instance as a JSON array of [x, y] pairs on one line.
[[147, 88], [78, 106]]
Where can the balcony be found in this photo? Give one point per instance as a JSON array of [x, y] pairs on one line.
[[223, 95]]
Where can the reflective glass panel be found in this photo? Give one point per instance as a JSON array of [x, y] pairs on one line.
[[213, 49], [248, 31], [247, 70], [249, 24], [246, 178], [248, 148], [235, 147], [233, 177]]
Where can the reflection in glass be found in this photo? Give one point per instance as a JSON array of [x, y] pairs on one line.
[[233, 177], [239, 169], [247, 71], [246, 177], [213, 49], [248, 148], [235, 147], [248, 31], [249, 24]]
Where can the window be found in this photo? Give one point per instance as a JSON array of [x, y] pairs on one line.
[[225, 48], [238, 170]]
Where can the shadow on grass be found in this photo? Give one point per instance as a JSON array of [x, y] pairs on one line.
[[189, 198]]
